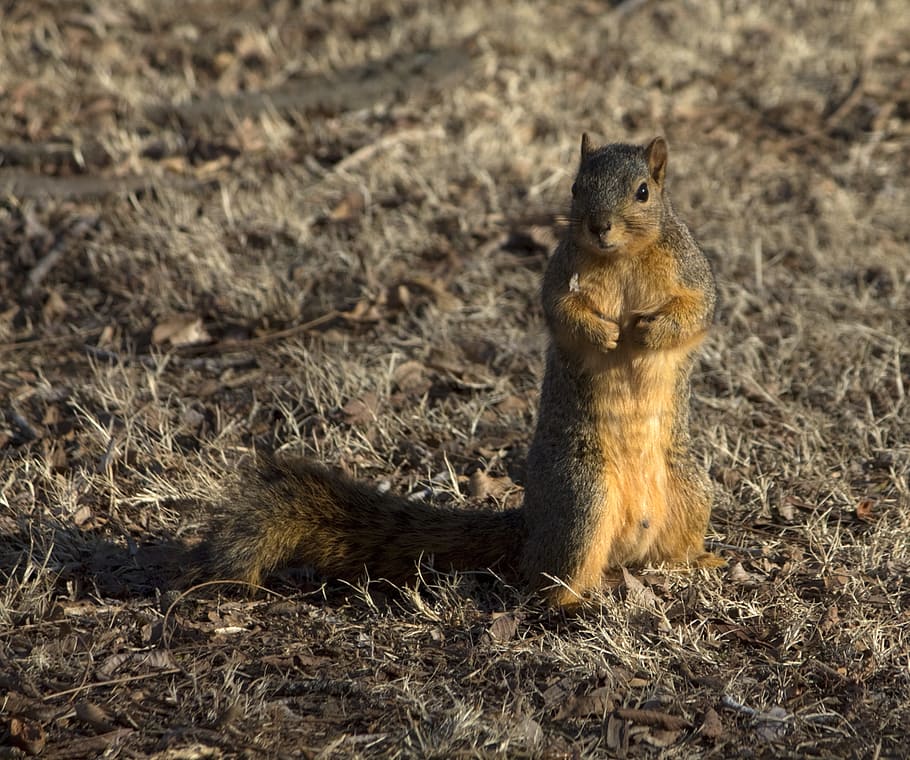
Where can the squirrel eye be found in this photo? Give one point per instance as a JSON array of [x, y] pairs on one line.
[[574, 188], [641, 194]]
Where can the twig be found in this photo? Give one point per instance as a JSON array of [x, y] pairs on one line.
[[242, 345], [653, 718], [218, 582], [12, 154], [731, 704], [25, 427], [731, 548], [39, 342], [368, 151], [111, 682], [224, 347]]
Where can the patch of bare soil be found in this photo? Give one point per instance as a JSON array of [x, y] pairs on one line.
[[320, 227]]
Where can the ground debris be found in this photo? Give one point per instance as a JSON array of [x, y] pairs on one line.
[[27, 735]]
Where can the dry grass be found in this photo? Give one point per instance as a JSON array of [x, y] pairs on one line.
[[364, 258]]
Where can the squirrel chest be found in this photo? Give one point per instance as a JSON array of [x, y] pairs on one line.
[[634, 393]]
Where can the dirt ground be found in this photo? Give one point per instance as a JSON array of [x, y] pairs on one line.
[[319, 227]]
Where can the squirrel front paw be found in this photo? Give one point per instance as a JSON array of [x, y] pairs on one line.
[[607, 334], [656, 330], [584, 317]]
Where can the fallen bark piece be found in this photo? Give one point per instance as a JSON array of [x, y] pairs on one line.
[[711, 725], [653, 718], [27, 736], [90, 713]]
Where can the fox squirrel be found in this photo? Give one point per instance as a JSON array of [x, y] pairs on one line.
[[611, 480]]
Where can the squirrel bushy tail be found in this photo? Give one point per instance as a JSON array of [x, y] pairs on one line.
[[293, 511]]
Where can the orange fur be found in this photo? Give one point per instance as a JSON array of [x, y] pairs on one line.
[[628, 298]]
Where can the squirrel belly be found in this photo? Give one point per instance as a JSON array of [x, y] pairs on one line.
[[296, 512], [636, 504]]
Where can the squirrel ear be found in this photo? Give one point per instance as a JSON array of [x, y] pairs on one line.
[[656, 153], [585, 145]]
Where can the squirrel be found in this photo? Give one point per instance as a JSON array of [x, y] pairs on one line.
[[611, 479]]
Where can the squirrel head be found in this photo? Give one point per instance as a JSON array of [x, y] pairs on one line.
[[618, 196]]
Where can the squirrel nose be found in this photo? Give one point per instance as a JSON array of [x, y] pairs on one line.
[[599, 227]]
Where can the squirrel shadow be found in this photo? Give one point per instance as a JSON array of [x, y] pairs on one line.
[[72, 562]]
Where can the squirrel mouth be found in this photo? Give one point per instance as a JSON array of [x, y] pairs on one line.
[[602, 244], [597, 236]]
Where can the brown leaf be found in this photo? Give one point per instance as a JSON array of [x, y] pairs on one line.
[[176, 164], [504, 626], [82, 515], [739, 574], [52, 415], [730, 477], [350, 207], [599, 703], [158, 659], [838, 578], [27, 736], [557, 692], [359, 411], [512, 404], [27, 708], [223, 60], [865, 510], [192, 418], [411, 377], [661, 737], [530, 730], [90, 746], [248, 136], [829, 620], [107, 336], [437, 290], [637, 592], [399, 297], [363, 311], [283, 663], [711, 725], [482, 485], [617, 735], [231, 715], [785, 509], [90, 713], [151, 632], [54, 307], [774, 724], [111, 664], [181, 330]]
